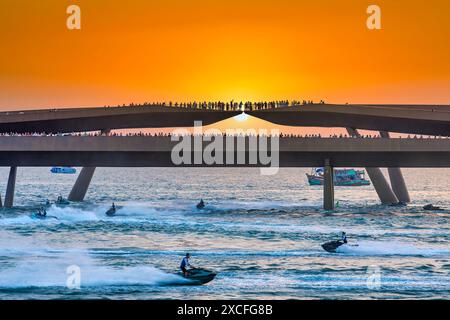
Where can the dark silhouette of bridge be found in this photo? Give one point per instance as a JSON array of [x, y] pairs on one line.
[[149, 151], [414, 119]]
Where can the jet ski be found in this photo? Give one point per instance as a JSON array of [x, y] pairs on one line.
[[37, 215], [111, 211], [42, 215], [398, 204], [332, 246], [200, 205], [431, 207], [199, 276], [62, 201]]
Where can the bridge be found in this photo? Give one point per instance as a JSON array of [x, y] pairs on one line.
[[106, 118], [414, 119], [90, 151], [149, 151], [409, 119]]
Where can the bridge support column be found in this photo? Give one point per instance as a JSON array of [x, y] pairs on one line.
[[82, 184], [397, 181], [382, 187], [10, 188], [328, 186]]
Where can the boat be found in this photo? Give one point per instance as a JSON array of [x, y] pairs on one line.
[[199, 276], [65, 170], [341, 177]]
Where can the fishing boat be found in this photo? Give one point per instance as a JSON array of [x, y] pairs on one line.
[[66, 170], [341, 177]]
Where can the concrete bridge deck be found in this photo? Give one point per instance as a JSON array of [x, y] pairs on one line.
[[413, 119], [104, 118], [141, 151]]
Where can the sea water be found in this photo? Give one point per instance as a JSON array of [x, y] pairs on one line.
[[261, 234]]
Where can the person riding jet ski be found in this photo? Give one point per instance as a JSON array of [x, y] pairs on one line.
[[201, 204], [42, 212], [60, 200], [111, 211], [196, 276], [333, 245]]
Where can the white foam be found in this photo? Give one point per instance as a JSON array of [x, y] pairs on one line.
[[390, 248], [50, 270], [74, 214]]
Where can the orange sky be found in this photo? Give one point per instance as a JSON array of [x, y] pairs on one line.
[[146, 50]]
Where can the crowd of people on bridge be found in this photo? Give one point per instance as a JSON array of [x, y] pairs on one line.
[[203, 105], [246, 133], [224, 106]]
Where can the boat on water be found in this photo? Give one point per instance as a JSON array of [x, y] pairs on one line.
[[341, 177], [65, 170]]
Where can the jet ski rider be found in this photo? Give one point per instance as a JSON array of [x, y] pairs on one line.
[[343, 237], [185, 263]]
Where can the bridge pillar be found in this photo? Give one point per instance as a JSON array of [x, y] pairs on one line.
[[397, 181], [82, 184], [9, 198], [382, 187], [328, 186]]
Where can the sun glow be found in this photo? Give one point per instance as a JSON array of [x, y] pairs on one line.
[[241, 117]]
